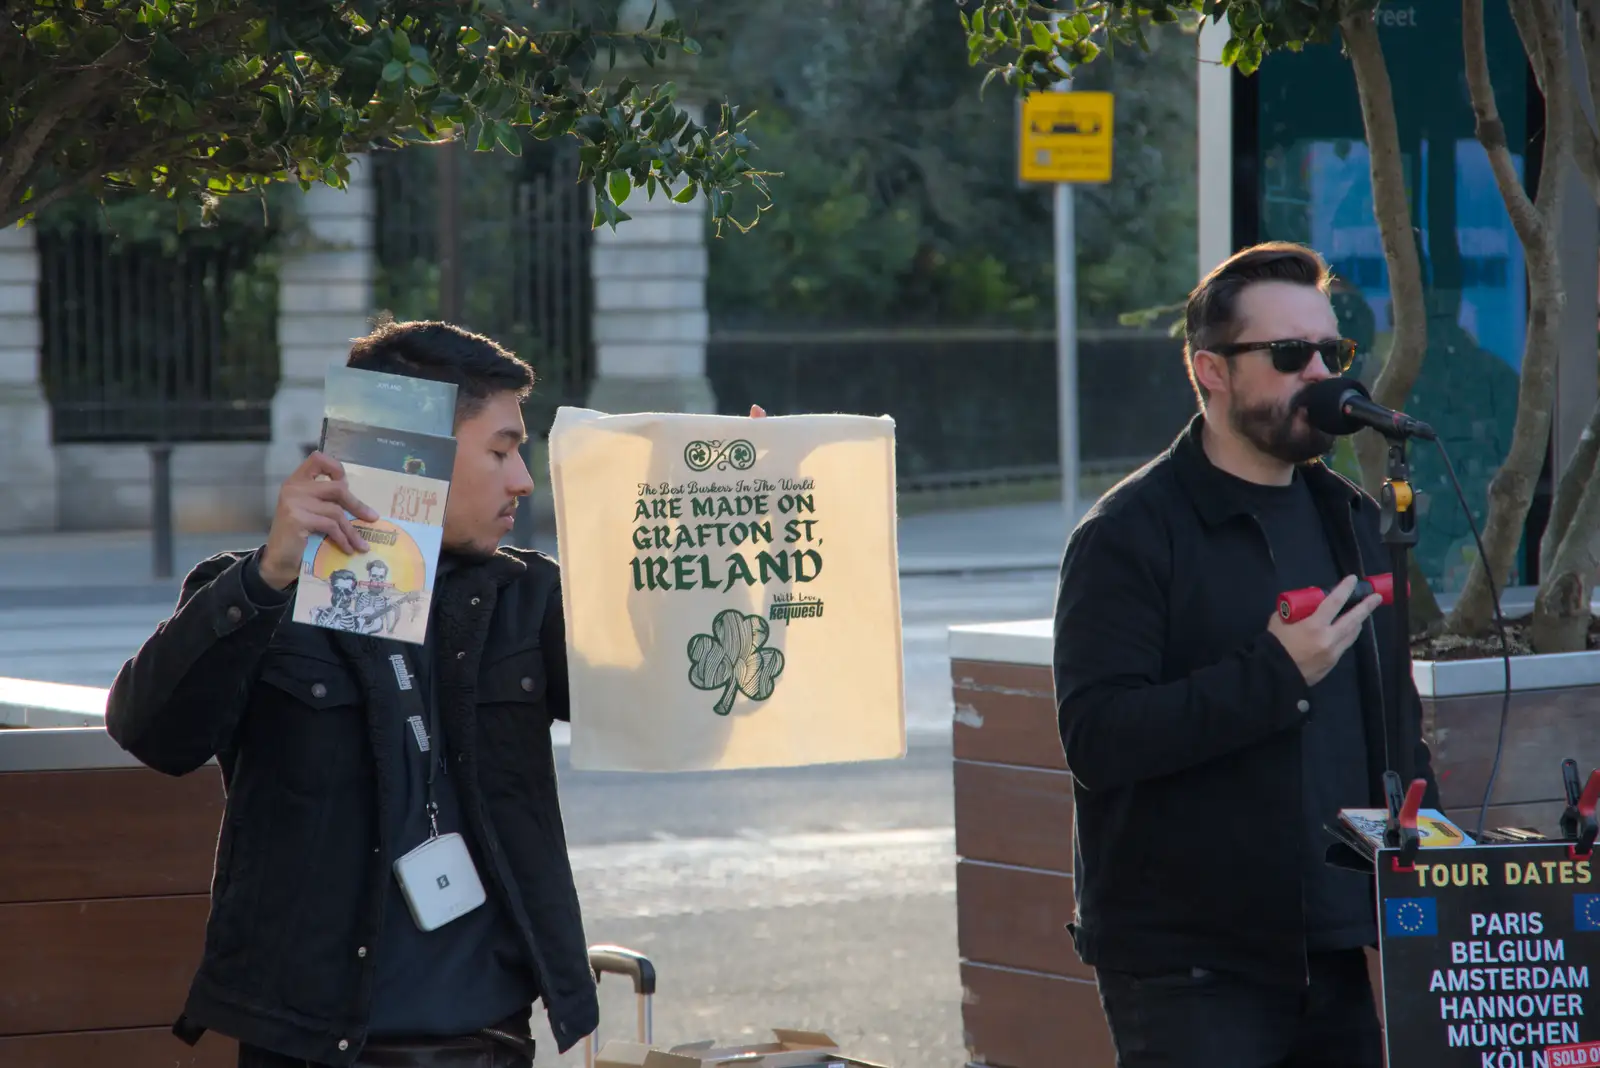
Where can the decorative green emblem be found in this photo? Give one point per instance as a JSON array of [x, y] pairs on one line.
[[704, 455], [733, 659]]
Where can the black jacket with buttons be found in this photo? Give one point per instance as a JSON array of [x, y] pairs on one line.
[[1180, 715], [297, 718]]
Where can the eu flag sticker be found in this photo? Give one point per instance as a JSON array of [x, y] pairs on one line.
[[1404, 916], [1586, 912]]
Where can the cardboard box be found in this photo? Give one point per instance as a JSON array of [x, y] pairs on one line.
[[789, 1049]]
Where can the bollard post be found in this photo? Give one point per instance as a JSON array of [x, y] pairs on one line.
[[161, 510]]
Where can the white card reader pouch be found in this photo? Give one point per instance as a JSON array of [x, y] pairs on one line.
[[439, 881]]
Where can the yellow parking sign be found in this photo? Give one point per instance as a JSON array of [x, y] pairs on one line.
[[1065, 137]]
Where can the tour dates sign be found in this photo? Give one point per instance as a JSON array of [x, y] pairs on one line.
[[1490, 956]]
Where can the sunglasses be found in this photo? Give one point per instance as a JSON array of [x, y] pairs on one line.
[[1293, 356]]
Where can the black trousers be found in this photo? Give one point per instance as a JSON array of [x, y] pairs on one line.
[[1203, 1019]]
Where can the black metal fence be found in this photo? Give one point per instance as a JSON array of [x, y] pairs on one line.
[[497, 243], [970, 406], [170, 339]]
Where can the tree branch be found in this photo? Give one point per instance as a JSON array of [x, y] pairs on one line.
[[1586, 152], [1491, 131], [22, 148], [1576, 475], [11, 214], [149, 156], [1511, 489], [1561, 611], [1586, 136], [1392, 208]]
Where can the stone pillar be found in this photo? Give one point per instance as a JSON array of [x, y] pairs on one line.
[[28, 471], [324, 301], [650, 318]]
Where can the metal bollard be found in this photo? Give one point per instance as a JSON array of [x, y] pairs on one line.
[[161, 510]]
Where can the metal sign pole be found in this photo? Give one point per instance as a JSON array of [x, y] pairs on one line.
[[1066, 139], [1066, 254]]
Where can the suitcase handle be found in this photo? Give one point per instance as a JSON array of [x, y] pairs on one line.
[[619, 960]]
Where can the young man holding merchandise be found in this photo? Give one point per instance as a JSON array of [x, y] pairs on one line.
[[313, 955], [1209, 740]]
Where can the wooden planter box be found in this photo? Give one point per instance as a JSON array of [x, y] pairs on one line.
[[105, 877], [1029, 1002]]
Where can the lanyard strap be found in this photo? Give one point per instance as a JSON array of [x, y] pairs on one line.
[[435, 748], [411, 699]]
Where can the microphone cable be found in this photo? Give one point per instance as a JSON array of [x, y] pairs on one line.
[[1500, 626]]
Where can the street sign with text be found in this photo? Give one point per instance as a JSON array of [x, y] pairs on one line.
[[1065, 137]]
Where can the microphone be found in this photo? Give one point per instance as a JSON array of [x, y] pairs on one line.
[[1341, 406]]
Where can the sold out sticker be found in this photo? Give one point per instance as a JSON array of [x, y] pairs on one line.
[[1579, 1056]]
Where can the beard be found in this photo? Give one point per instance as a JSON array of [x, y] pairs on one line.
[[468, 552], [1273, 427]]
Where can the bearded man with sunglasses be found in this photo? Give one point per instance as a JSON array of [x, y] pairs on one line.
[[1209, 741]]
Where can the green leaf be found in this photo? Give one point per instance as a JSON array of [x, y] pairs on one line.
[[1249, 60], [505, 136], [401, 45], [419, 74], [394, 70], [684, 195], [619, 185], [1080, 23], [691, 46], [1042, 38]]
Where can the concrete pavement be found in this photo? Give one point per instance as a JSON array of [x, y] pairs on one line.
[[820, 898]]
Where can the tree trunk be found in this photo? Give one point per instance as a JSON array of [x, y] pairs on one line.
[[1561, 610], [1511, 489], [1572, 486], [1586, 146], [1392, 207]]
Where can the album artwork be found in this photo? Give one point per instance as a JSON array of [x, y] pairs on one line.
[[1362, 830], [400, 470], [398, 402], [407, 452], [386, 591]]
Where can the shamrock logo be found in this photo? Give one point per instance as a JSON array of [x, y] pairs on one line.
[[733, 659]]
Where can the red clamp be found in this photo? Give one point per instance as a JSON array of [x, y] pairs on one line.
[[1296, 605], [1400, 829], [1578, 823]]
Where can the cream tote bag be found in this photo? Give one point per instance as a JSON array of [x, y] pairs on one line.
[[731, 589]]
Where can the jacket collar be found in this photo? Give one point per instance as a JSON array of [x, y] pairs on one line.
[[1216, 499]]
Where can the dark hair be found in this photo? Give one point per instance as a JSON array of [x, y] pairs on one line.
[[1209, 314], [477, 366]]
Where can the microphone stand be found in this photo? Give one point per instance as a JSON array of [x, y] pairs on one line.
[[1398, 524]]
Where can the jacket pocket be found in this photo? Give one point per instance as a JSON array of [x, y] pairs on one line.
[[311, 730], [514, 725]]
